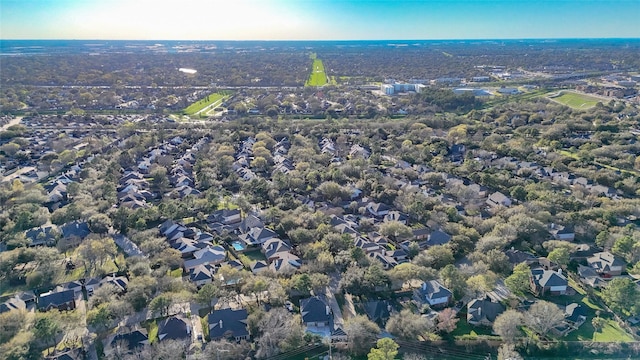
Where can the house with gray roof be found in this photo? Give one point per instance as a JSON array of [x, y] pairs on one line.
[[432, 293], [606, 264], [228, 323], [483, 311], [174, 328], [316, 313], [548, 282]]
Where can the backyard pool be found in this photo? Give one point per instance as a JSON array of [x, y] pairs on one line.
[[238, 246]]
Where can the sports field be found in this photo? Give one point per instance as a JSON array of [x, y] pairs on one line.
[[205, 102], [575, 100], [317, 77]]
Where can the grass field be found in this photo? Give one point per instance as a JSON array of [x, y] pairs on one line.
[[204, 102], [576, 101], [317, 77]]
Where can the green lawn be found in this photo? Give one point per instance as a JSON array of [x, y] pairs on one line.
[[317, 77], [464, 328], [576, 101], [254, 255], [204, 102]]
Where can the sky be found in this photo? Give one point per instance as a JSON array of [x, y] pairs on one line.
[[318, 19]]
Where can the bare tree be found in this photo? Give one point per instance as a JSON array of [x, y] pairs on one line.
[[507, 325], [408, 325], [543, 316]]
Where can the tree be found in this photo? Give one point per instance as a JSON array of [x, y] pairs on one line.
[[46, 329], [361, 332], [99, 223], [439, 256], [396, 230], [560, 256], [479, 285], [518, 282], [543, 316], [386, 349], [99, 317], [447, 320], [10, 324], [279, 332], [598, 323], [161, 304], [408, 325], [453, 280], [224, 349], [507, 325], [508, 352], [622, 295]]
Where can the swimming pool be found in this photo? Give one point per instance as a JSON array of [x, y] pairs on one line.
[[238, 246]]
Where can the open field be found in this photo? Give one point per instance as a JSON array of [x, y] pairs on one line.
[[317, 77], [205, 102], [575, 100]]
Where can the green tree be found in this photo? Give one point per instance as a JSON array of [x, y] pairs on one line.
[[560, 256], [386, 349], [622, 295], [46, 329], [99, 223], [161, 304], [518, 282]]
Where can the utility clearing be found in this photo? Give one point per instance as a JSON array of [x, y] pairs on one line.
[[318, 77]]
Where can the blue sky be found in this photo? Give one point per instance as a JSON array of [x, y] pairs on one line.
[[317, 19]]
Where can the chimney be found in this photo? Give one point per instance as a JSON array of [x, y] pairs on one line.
[[328, 310], [424, 286], [559, 271], [480, 311], [220, 322]]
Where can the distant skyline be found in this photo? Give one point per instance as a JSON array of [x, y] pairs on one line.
[[317, 19]]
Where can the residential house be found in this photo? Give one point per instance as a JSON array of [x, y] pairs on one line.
[[42, 235], [174, 328], [378, 210], [483, 311], [590, 277], [71, 354], [201, 274], [225, 216], [60, 300], [432, 293], [76, 229], [438, 237], [560, 232], [257, 235], [132, 339], [316, 313], [377, 311], [606, 264], [574, 316], [516, 256], [550, 282], [120, 282], [421, 233], [211, 255], [76, 286], [14, 303], [228, 323], [396, 216], [498, 199]]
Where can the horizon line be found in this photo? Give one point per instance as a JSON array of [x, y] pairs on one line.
[[336, 40]]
